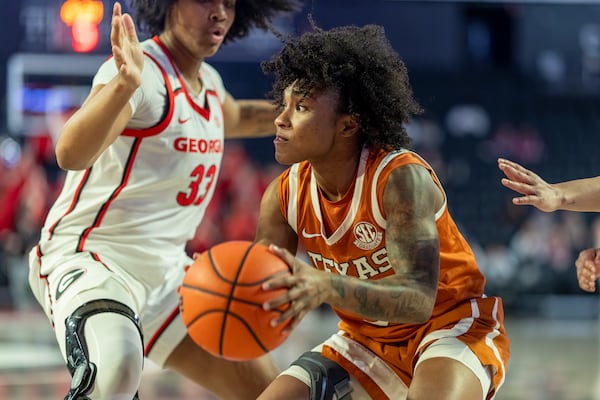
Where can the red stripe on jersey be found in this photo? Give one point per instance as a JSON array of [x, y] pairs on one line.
[[71, 206], [204, 112], [38, 254], [115, 194], [160, 331], [96, 257], [162, 125], [214, 93]]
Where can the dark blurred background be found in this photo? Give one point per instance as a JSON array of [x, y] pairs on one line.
[[519, 80]]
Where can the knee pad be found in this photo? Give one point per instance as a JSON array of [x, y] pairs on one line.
[[83, 372], [327, 378]]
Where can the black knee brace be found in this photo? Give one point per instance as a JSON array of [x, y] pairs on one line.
[[327, 378], [83, 371]]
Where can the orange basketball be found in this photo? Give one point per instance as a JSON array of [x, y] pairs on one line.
[[222, 298]]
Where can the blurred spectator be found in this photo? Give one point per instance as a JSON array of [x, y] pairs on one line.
[[468, 119], [521, 143], [25, 199]]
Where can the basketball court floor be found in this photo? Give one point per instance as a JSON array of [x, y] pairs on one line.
[[552, 359]]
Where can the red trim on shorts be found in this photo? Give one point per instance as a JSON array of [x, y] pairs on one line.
[[160, 331], [38, 253], [96, 257]]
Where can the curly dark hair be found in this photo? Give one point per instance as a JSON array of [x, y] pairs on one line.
[[361, 65], [150, 15]]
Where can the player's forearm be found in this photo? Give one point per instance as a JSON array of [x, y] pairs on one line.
[[93, 127], [389, 299], [580, 195], [256, 119]]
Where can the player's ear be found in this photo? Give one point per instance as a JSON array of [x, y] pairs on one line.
[[350, 123]]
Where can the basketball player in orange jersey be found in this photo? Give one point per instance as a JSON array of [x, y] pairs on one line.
[[576, 195], [373, 218], [143, 153]]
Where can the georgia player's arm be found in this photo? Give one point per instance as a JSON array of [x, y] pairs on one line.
[[248, 118], [272, 228], [93, 127], [574, 195], [106, 111]]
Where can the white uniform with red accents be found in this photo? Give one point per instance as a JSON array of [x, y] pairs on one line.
[[133, 211]]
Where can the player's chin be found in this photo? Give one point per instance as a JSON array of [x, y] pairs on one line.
[[208, 48], [284, 158], [211, 51]]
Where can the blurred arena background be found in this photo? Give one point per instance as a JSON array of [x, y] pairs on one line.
[[517, 79]]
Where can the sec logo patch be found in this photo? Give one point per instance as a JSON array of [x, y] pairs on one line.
[[367, 236]]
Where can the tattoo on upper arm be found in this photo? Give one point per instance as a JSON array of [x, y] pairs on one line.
[[413, 249]]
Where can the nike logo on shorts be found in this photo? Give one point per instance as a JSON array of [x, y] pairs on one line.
[[66, 280], [309, 235]]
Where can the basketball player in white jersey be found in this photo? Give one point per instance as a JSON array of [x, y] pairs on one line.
[[143, 154]]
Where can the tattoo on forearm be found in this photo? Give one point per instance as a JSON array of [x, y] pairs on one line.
[[402, 297], [338, 286], [427, 255], [361, 293], [418, 281]]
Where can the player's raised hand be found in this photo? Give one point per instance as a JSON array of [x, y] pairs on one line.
[[126, 48], [588, 269], [535, 190]]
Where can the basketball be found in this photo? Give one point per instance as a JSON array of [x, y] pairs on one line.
[[221, 300]]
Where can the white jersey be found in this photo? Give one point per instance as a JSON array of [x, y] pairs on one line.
[[143, 198]]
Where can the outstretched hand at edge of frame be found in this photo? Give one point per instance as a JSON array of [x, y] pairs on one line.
[[535, 190]]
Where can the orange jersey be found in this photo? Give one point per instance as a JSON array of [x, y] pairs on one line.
[[348, 237]]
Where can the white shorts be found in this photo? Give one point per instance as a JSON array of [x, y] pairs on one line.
[[389, 381], [79, 278]]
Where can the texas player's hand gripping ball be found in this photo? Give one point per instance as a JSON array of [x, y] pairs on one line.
[[221, 300]]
